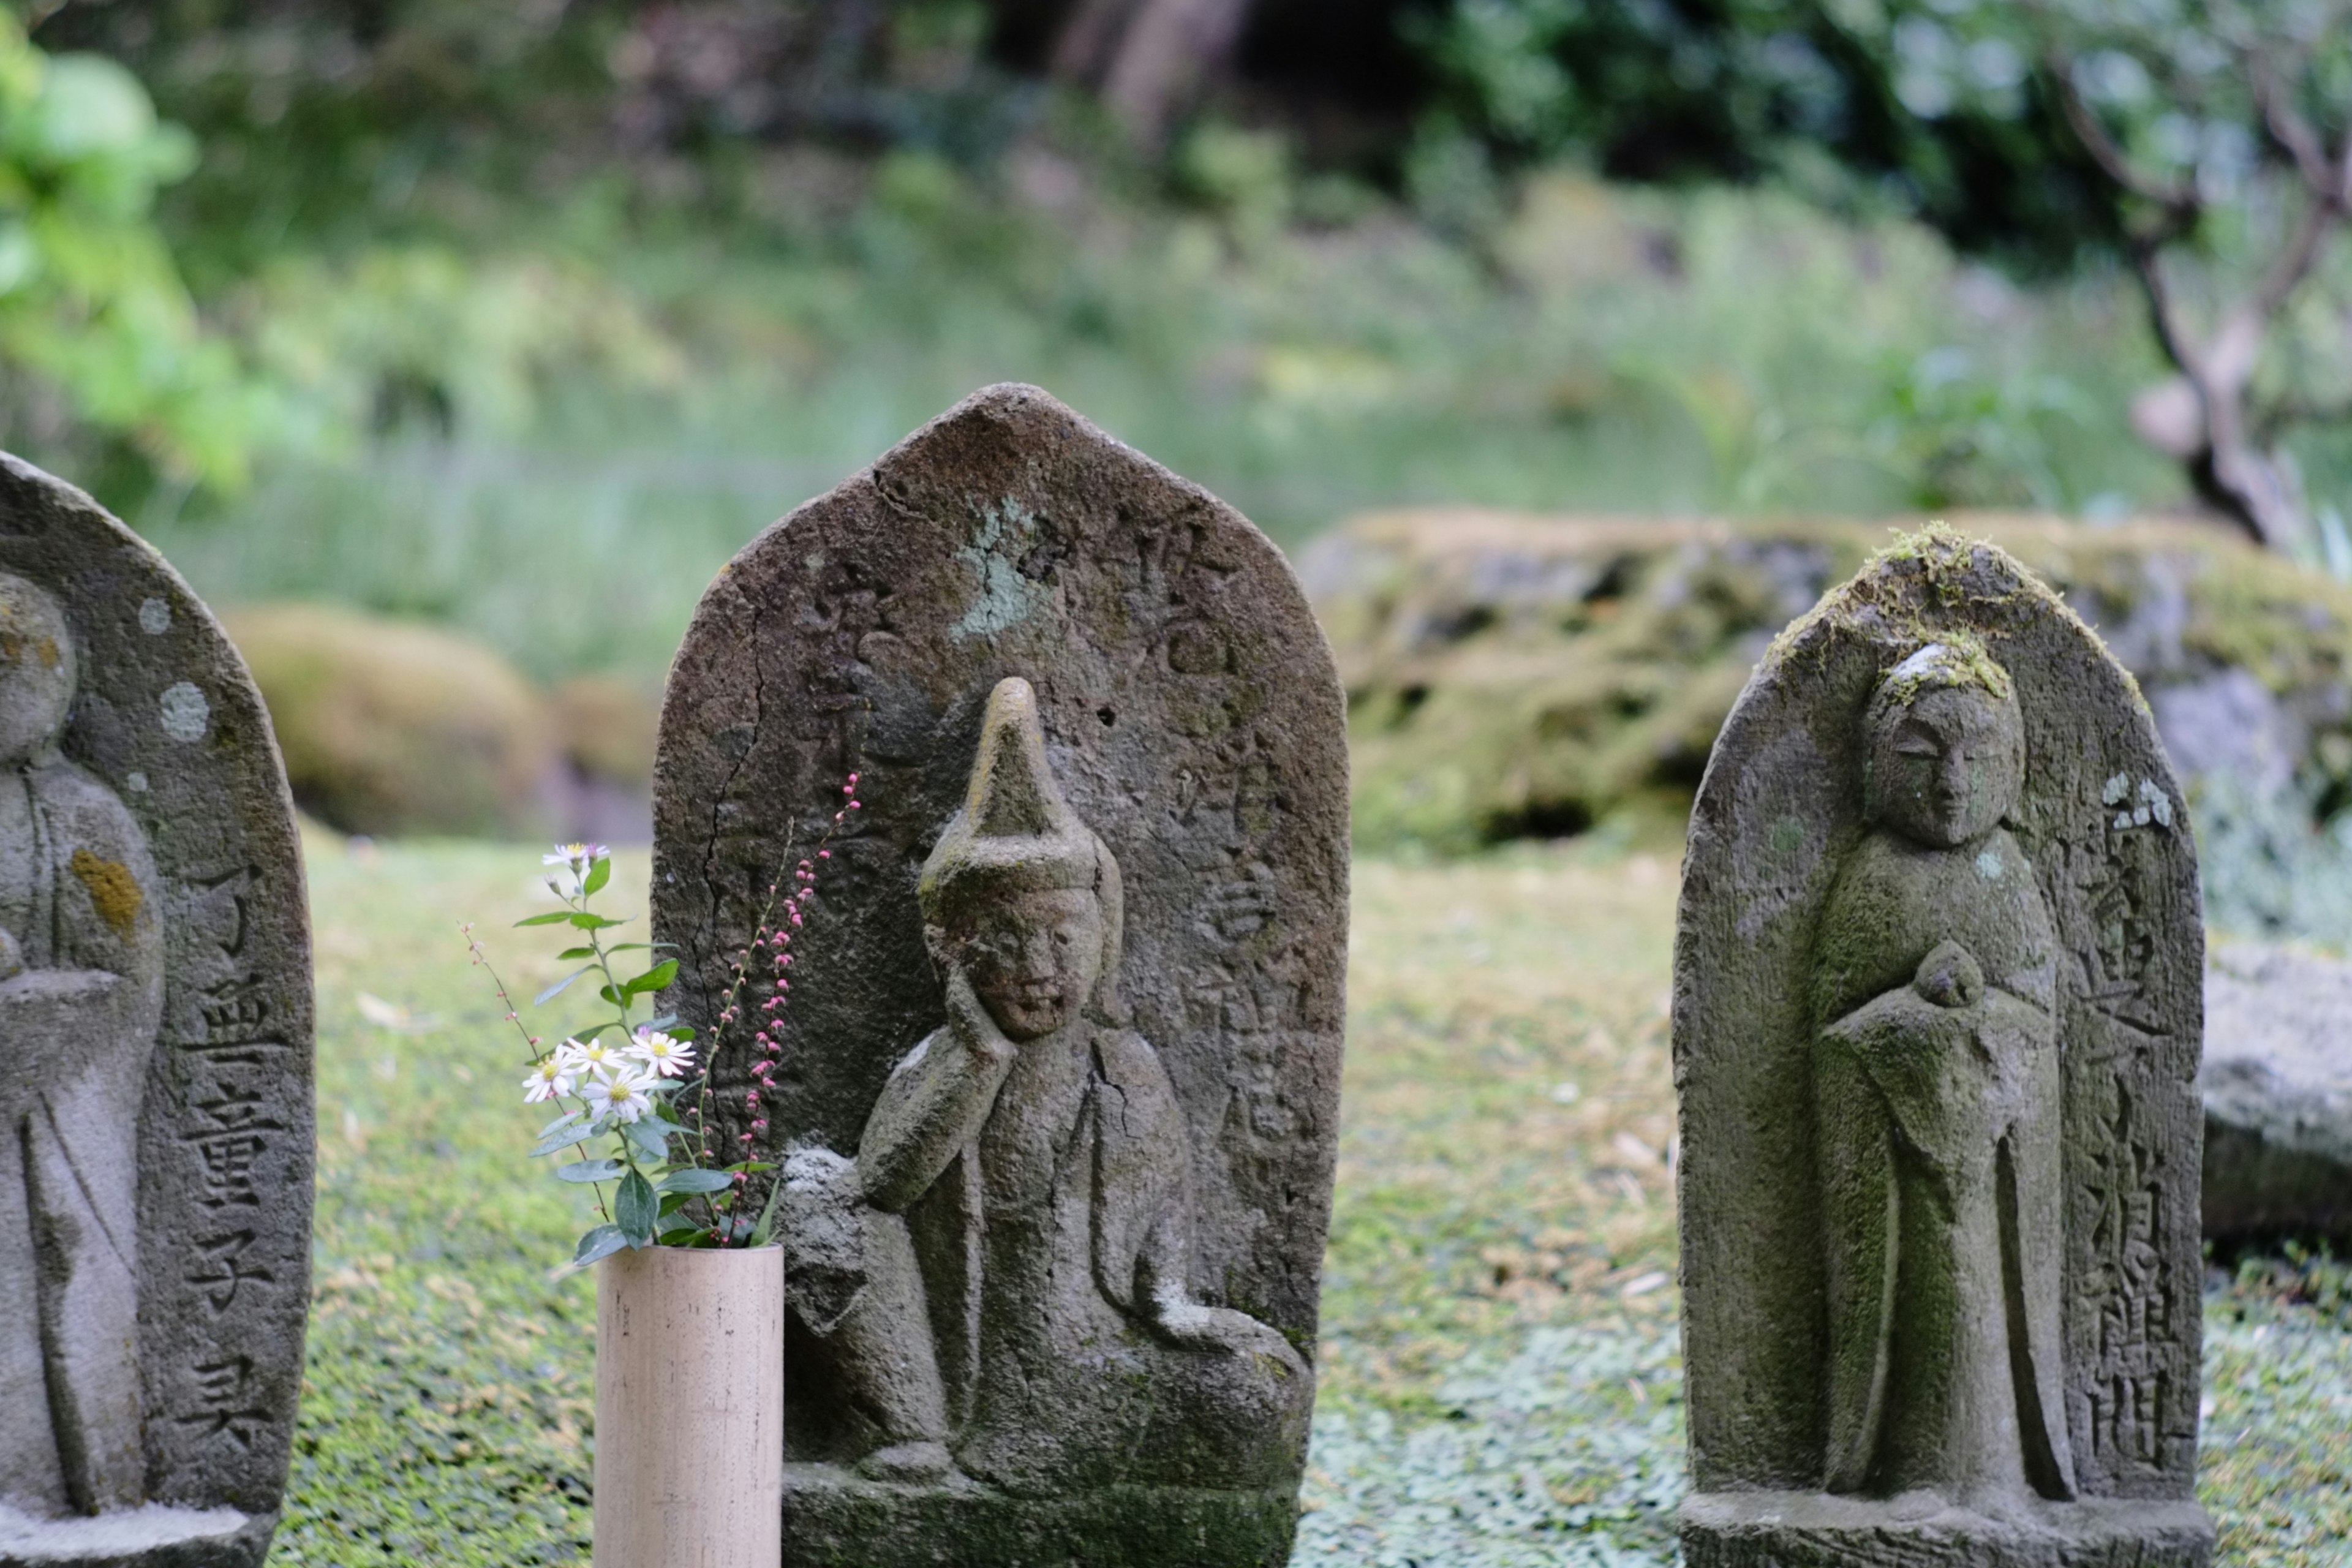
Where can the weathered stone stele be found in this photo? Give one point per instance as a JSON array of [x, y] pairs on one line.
[[1063, 1049], [156, 1057], [1937, 1014]]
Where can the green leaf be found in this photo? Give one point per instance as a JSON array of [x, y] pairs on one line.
[[570, 954], [589, 1170], [598, 875], [602, 1242], [679, 1226], [560, 1124], [632, 1209], [557, 1141], [555, 917], [753, 1165], [611, 996], [677, 1031], [587, 921], [654, 979], [695, 1181], [671, 1202], [651, 1138], [762, 1228], [559, 988]]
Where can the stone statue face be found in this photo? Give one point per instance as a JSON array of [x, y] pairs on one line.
[[36, 670], [1948, 765], [1033, 958]]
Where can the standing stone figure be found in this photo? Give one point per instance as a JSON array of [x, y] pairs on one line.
[[81, 997], [1060, 1085], [1937, 1027], [154, 1061], [1935, 1078]]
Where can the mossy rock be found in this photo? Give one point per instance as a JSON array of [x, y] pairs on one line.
[[1512, 675], [399, 727]]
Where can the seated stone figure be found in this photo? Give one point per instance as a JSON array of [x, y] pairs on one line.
[[1936, 1062], [81, 983], [997, 1285]]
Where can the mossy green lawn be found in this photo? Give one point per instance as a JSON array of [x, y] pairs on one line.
[[1501, 1383]]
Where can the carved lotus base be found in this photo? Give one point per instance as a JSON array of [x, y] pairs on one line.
[[833, 1519], [152, 1537], [1811, 1530]]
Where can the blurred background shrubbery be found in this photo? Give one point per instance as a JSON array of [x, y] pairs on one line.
[[514, 321]]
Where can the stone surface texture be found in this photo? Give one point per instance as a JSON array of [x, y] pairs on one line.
[[155, 1150], [1938, 1013], [1063, 1049], [2278, 1094]]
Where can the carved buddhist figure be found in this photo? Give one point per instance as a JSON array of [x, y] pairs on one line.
[[81, 979], [996, 1287], [1937, 1073]]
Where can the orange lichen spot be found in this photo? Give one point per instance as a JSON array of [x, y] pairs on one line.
[[113, 890], [50, 654]]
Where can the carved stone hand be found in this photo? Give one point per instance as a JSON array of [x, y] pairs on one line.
[[1950, 976]]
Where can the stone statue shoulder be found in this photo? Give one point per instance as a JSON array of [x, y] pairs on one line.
[[106, 874]]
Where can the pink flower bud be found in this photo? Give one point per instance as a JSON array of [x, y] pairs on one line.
[[759, 1126], [824, 854]]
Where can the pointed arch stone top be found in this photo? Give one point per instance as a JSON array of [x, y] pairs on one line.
[[2059, 941], [1191, 720]]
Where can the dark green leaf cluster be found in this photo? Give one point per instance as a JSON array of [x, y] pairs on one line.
[[1948, 110]]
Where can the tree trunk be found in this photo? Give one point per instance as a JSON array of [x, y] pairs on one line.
[[1147, 58]]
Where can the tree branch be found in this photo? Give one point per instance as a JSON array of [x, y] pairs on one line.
[[2178, 200], [2320, 219], [2172, 333], [2290, 132]]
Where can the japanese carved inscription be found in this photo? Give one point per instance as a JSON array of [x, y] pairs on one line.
[[1062, 1068], [155, 1147], [1937, 1014]]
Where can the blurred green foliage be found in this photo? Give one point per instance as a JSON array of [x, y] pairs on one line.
[[97, 332]]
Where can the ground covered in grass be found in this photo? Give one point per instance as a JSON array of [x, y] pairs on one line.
[[1501, 1382]]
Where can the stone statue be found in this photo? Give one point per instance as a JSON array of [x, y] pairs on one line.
[[155, 1048], [1937, 1074], [1938, 974], [1059, 1099], [81, 997], [1049, 1136]]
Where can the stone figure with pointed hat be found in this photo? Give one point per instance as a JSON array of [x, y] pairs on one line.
[[1937, 1031], [1057, 1115], [154, 1060], [1053, 1134]]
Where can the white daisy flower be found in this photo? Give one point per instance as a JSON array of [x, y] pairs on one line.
[[663, 1056], [622, 1096], [592, 1058], [550, 1079]]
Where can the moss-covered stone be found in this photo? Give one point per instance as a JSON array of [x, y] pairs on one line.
[[1512, 675], [398, 727]]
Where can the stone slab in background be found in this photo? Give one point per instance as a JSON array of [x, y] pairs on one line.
[[157, 935], [1012, 583], [2277, 1086], [1513, 674]]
